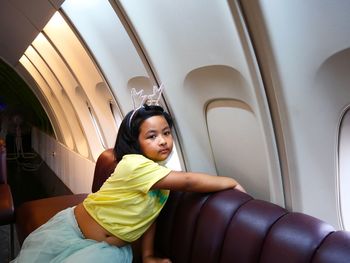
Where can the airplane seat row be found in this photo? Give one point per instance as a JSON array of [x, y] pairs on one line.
[[6, 201], [226, 226], [7, 215]]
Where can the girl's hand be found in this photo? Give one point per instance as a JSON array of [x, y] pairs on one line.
[[151, 259], [239, 188]]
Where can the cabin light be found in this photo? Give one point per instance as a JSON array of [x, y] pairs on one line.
[[115, 112], [56, 21], [30, 51], [23, 59], [97, 127], [39, 40]]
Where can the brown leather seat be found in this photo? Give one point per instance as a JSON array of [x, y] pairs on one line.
[[6, 201], [6, 205], [230, 226]]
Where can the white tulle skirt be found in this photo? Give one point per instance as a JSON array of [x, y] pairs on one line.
[[60, 240]]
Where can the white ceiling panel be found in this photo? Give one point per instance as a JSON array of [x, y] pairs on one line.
[[16, 33], [38, 12], [20, 22]]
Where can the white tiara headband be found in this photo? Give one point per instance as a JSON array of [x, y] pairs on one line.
[[140, 99]]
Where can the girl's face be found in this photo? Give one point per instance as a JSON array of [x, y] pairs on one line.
[[155, 138]]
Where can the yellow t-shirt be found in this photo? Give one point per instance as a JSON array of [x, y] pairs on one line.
[[125, 205]]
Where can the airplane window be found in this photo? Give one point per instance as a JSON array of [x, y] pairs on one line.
[[238, 149], [115, 112], [344, 169], [97, 128]]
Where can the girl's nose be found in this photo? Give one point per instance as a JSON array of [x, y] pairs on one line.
[[162, 141]]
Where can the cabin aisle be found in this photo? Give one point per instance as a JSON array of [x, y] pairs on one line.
[[25, 180], [30, 179], [25, 186], [5, 244]]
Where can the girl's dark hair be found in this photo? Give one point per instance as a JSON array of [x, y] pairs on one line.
[[127, 139]]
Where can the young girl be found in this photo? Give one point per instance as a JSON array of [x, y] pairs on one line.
[[124, 210]]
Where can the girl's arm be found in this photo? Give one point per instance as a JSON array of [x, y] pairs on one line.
[[196, 182], [148, 249]]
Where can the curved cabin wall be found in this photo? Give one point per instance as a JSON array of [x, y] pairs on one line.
[[333, 81], [70, 67], [84, 96], [224, 64], [301, 47], [66, 85], [201, 61], [200, 51]]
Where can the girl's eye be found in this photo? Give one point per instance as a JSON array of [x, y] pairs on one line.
[[152, 137], [167, 133]]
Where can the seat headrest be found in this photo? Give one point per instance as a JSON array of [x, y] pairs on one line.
[[105, 166]]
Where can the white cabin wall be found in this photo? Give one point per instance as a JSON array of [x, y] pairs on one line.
[[302, 48], [200, 52], [111, 47], [227, 67], [74, 170]]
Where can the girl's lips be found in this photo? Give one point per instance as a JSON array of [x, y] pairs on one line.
[[164, 151]]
